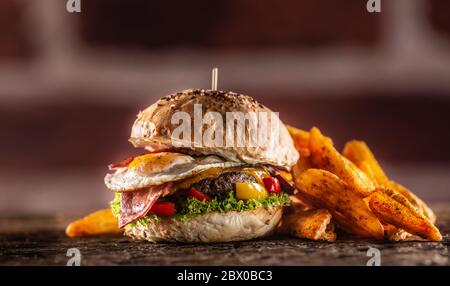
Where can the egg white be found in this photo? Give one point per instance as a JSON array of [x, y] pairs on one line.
[[181, 167]]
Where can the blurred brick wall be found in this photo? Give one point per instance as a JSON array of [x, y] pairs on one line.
[[228, 24], [55, 126], [55, 120], [71, 84], [85, 134], [439, 15], [235, 24], [15, 40]]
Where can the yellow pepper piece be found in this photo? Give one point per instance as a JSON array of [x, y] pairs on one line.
[[246, 191]]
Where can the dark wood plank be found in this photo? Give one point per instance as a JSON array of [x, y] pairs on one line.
[[41, 241]]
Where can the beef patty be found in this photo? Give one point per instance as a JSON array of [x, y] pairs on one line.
[[222, 184]]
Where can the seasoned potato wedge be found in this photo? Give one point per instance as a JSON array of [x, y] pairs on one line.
[[401, 212], [325, 156], [312, 224], [359, 153], [301, 140], [325, 190], [96, 223], [413, 199], [393, 233], [395, 209]]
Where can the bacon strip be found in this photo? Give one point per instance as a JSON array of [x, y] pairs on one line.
[[135, 205], [121, 164]]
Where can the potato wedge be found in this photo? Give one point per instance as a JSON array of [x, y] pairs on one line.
[[312, 224], [96, 223], [413, 199], [301, 140], [325, 156], [395, 209], [393, 233], [326, 190], [360, 154]]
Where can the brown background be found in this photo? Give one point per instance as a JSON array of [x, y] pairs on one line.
[[71, 84]]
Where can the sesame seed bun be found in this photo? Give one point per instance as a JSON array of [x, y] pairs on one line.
[[154, 127]]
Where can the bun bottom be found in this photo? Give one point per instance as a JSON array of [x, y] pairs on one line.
[[210, 227]]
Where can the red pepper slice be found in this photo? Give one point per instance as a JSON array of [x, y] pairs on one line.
[[192, 192], [163, 209], [286, 185], [272, 184]]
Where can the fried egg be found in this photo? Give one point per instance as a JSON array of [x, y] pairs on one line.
[[158, 168]]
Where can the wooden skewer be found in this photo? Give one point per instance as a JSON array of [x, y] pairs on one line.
[[215, 74]]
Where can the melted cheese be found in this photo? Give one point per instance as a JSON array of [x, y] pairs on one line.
[[210, 173], [286, 175], [256, 172]]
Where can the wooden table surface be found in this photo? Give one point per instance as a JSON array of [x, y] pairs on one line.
[[41, 241]]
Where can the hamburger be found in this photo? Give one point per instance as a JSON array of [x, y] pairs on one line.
[[200, 180]]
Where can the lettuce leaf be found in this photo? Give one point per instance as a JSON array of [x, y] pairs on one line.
[[115, 205], [192, 207]]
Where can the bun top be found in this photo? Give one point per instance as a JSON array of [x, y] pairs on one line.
[[235, 127]]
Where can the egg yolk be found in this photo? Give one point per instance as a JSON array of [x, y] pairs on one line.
[[156, 162]]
